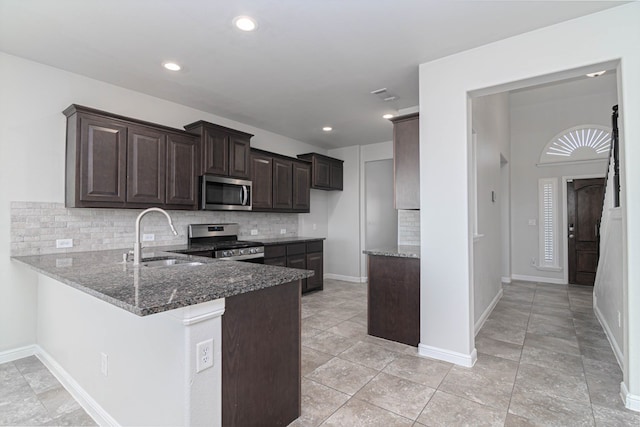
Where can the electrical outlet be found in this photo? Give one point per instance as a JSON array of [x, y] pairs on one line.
[[64, 243], [532, 222], [104, 364], [254, 232], [148, 237], [204, 355], [283, 231], [533, 262], [315, 226]]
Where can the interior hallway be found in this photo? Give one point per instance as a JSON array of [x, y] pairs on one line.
[[543, 359]]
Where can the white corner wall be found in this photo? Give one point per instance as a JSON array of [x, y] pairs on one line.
[[446, 302], [535, 119], [490, 121], [32, 156]]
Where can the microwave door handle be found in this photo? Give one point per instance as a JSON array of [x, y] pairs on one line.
[[245, 195]]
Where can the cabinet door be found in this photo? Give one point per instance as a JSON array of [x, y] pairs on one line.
[[102, 160], [262, 181], [282, 185], [181, 170], [336, 175], [298, 261], [406, 157], [280, 261], [315, 263], [321, 173], [238, 157], [215, 152], [145, 165], [301, 187]]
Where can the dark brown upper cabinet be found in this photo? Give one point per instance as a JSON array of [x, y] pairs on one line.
[[280, 183], [182, 178], [114, 161], [406, 161], [326, 172], [301, 197], [262, 180], [224, 151]]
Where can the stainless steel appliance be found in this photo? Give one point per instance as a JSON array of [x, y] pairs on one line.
[[224, 194], [221, 241]]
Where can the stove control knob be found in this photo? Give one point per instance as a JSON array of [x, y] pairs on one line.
[[254, 250], [227, 253]]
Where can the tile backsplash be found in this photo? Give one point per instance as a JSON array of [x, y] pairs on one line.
[[408, 227], [36, 226]]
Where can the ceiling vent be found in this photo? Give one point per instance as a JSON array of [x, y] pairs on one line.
[[385, 95]]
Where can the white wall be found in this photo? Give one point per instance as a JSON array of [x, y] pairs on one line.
[[342, 249], [536, 117], [490, 120], [32, 156], [554, 52]]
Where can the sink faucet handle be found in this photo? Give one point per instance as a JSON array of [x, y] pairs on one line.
[[127, 256]]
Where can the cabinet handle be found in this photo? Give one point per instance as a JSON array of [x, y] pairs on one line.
[[266, 162]]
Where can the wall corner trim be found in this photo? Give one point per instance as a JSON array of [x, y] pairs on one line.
[[17, 353], [487, 312], [617, 351], [631, 401], [466, 360], [541, 279], [88, 403], [354, 279]]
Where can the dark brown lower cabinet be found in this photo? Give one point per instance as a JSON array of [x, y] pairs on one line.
[[261, 357], [394, 299], [304, 255]]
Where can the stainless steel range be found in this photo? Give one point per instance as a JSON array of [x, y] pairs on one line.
[[222, 241]]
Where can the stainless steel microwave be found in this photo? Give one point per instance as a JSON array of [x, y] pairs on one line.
[[224, 194]]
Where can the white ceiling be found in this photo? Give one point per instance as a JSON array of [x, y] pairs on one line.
[[311, 63]]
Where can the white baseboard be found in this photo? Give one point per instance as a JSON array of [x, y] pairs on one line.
[[607, 331], [18, 353], [631, 401], [487, 312], [540, 279], [506, 279], [467, 360], [97, 412], [355, 279]]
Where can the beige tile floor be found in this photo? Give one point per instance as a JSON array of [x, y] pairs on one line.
[[543, 360], [31, 396]]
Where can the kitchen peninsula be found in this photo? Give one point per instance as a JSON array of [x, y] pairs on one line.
[[137, 341], [393, 304]]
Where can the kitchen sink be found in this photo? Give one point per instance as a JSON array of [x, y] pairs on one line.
[[168, 262]]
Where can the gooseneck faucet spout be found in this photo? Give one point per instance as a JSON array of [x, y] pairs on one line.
[[137, 247]]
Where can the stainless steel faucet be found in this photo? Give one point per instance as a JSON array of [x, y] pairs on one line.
[[137, 247]]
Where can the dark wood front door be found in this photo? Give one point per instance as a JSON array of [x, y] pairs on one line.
[[584, 209]]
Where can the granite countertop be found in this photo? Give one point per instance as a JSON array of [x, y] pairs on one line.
[[402, 251], [285, 240], [149, 290]]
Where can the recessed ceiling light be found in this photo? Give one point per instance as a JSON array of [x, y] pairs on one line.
[[387, 116], [596, 74], [245, 23], [327, 128], [172, 66]]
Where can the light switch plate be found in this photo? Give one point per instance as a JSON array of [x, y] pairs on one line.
[[64, 243], [254, 232], [148, 237]]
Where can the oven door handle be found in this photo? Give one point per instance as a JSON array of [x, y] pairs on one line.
[[245, 195]]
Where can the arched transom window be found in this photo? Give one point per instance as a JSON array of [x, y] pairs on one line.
[[580, 143]]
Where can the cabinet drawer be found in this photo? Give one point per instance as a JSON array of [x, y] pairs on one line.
[[296, 248], [314, 246], [275, 251]]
